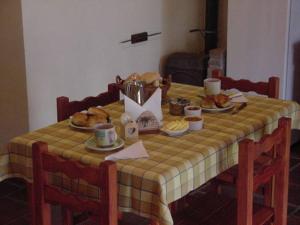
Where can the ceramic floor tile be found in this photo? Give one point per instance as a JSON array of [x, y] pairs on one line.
[[293, 220], [21, 221], [19, 195], [294, 194], [295, 175], [294, 162], [11, 210], [7, 188]]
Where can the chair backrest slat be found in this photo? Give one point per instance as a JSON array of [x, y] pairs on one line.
[[266, 173], [267, 143], [70, 168], [104, 177], [270, 88], [54, 196], [66, 108]]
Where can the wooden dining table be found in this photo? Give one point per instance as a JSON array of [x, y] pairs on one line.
[[176, 165]]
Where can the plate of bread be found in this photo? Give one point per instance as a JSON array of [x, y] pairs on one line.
[[216, 103], [87, 120]]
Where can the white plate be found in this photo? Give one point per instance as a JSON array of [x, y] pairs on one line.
[[81, 128], [218, 109], [91, 144], [174, 133]]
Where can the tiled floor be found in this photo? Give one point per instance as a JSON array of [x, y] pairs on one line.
[[13, 204]]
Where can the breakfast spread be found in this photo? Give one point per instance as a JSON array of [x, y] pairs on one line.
[[216, 101], [93, 117]]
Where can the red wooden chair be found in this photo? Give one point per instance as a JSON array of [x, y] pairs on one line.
[[270, 88], [65, 108], [103, 211], [214, 209], [104, 177]]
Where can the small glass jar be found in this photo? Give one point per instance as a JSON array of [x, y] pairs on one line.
[[176, 106]]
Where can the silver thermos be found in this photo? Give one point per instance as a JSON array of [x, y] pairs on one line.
[[134, 89]]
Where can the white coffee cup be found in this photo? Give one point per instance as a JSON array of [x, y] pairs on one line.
[[105, 135], [212, 86]]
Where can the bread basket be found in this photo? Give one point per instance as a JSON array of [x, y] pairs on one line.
[[149, 89]]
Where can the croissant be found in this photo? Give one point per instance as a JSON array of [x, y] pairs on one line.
[[221, 100], [80, 119], [98, 111], [208, 103]]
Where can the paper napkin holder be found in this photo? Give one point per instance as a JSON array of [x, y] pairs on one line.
[[148, 116], [147, 123]]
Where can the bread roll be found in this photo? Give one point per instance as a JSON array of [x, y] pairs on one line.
[[98, 111], [208, 103], [150, 77], [96, 119], [221, 100], [134, 76], [80, 119]]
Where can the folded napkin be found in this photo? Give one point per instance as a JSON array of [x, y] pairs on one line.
[[236, 96], [153, 104], [137, 150]]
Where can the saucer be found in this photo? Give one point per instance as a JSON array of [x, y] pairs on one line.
[[91, 144]]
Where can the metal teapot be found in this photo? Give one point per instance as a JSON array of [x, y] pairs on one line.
[[132, 88]]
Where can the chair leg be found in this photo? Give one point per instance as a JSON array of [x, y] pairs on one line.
[[281, 196], [67, 216]]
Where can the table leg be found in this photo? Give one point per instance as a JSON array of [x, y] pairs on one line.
[[30, 198]]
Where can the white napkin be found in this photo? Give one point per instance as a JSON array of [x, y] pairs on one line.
[[236, 96], [153, 105], [134, 151]]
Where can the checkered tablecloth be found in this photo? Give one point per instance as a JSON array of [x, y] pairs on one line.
[[176, 165]]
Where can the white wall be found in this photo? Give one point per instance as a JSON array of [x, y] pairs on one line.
[[257, 39], [72, 46]]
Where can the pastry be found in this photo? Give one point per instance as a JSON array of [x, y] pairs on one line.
[[221, 100], [96, 119], [98, 111], [134, 76], [150, 77], [208, 103], [80, 119], [93, 117]]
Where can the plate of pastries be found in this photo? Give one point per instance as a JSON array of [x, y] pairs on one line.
[[87, 120], [216, 103]]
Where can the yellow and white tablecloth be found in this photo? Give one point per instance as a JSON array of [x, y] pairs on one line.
[[176, 165]]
